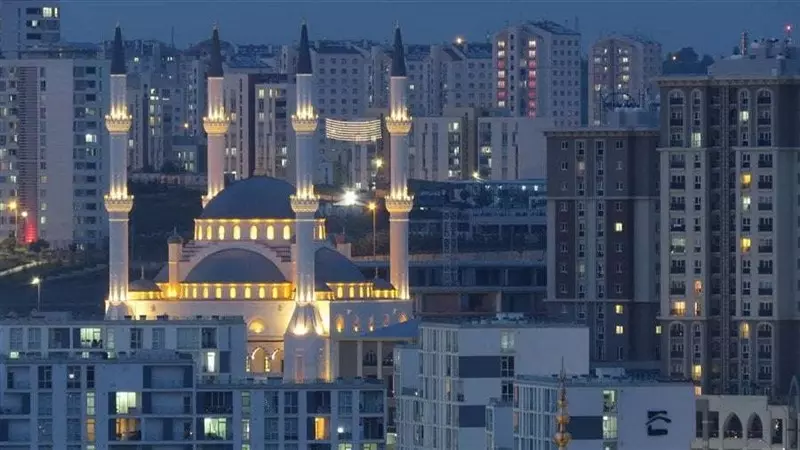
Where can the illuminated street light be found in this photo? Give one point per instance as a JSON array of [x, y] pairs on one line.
[[350, 198], [36, 281], [379, 163], [24, 214]]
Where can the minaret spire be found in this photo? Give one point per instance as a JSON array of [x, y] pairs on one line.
[[216, 121], [304, 355], [117, 201], [398, 202], [562, 438]]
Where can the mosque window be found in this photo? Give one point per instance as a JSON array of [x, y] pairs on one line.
[[253, 232], [386, 320], [270, 233], [339, 323], [208, 232], [402, 318], [221, 233], [262, 292], [237, 232], [274, 292], [199, 233], [287, 233], [194, 292], [232, 292], [356, 325], [247, 292], [218, 292], [339, 292], [256, 326], [352, 292], [371, 324]]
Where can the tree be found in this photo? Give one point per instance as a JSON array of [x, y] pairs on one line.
[[686, 61], [39, 246]]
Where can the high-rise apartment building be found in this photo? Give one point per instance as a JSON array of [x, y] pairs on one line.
[[729, 190], [52, 176], [621, 73], [538, 71], [28, 24], [443, 384], [602, 216], [257, 142]]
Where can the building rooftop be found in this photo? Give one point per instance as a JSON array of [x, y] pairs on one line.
[[600, 381], [500, 320], [603, 131], [279, 383], [64, 318], [554, 28], [403, 331], [334, 48], [98, 357]]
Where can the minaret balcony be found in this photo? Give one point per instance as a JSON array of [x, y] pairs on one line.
[[398, 125], [307, 205], [399, 204], [121, 204], [305, 124], [216, 126], [116, 124]]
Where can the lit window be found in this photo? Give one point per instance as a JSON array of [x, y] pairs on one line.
[[746, 179], [221, 233], [619, 309], [339, 323], [658, 329], [619, 329], [208, 233], [232, 292], [256, 326], [270, 233], [237, 232], [744, 331], [287, 233], [618, 227], [253, 233], [247, 292], [745, 244], [697, 372]]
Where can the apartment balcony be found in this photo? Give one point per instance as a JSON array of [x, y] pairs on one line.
[[764, 163], [764, 355], [765, 270], [765, 228], [764, 249]]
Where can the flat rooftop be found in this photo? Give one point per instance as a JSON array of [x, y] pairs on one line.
[[502, 320], [599, 381], [65, 318]]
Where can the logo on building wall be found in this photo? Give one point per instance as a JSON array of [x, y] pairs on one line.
[[657, 422]]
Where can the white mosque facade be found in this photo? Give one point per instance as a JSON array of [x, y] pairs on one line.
[[259, 250]]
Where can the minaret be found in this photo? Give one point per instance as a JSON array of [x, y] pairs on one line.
[[118, 202], [562, 438], [398, 203], [215, 122], [304, 343]]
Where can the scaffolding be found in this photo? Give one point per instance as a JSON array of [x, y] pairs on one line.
[[449, 247]]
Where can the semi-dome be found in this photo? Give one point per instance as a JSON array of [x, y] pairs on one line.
[[252, 198], [331, 266], [235, 266], [143, 285]]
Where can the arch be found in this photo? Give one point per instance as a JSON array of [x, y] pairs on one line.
[[697, 330], [209, 236], [755, 428], [287, 233], [199, 232], [744, 98], [697, 97], [676, 97], [356, 324], [221, 233], [764, 330], [387, 320], [732, 428], [270, 232], [253, 232], [237, 232], [371, 323], [260, 360], [256, 326], [764, 96], [677, 330], [402, 318], [339, 323]]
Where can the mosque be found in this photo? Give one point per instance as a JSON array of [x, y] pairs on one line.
[[260, 248]]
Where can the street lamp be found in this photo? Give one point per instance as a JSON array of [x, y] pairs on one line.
[[24, 215], [38, 283], [350, 198], [379, 163], [372, 206]]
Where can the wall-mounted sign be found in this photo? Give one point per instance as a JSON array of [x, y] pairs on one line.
[[657, 422]]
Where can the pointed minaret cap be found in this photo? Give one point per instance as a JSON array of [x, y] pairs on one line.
[[304, 53], [215, 65], [398, 54], [118, 54]]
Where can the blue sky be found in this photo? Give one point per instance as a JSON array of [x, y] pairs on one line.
[[711, 26]]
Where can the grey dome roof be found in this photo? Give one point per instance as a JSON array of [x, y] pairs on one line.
[[235, 266], [143, 285], [252, 198], [331, 266]]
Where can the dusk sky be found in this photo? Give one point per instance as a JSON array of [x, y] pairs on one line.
[[711, 26]]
